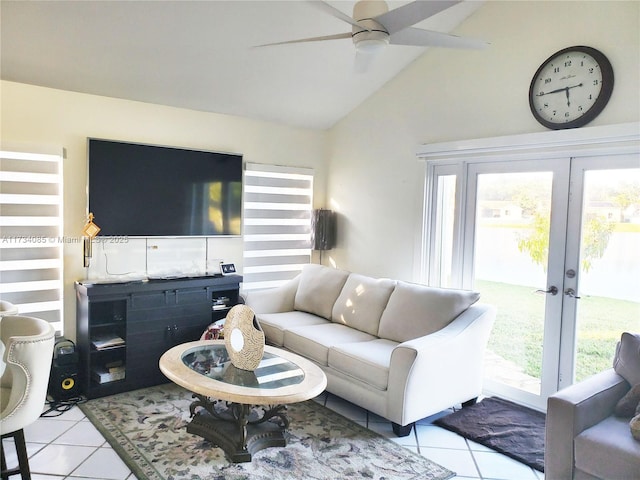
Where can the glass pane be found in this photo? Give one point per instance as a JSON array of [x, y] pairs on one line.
[[445, 219], [511, 249], [213, 361], [609, 267]]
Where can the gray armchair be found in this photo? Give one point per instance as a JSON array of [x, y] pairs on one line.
[[584, 439]]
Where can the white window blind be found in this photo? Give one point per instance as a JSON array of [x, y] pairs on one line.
[[277, 223], [31, 242]]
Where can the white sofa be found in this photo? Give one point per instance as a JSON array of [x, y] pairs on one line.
[[403, 351]]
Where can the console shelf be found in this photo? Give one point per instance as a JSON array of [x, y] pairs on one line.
[[149, 317]]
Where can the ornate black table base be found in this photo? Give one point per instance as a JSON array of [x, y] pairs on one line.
[[240, 430]]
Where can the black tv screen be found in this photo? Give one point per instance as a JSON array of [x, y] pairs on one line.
[[146, 190]]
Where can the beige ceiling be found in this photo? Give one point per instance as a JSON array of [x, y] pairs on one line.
[[200, 55]]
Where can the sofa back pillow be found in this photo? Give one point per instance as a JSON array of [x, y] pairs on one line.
[[417, 310], [318, 289], [361, 302], [626, 361]]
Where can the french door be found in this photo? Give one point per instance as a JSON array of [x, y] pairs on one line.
[[552, 241], [517, 212], [603, 247]]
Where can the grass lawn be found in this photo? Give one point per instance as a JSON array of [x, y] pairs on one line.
[[518, 332]]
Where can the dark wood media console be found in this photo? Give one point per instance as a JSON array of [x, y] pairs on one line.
[[124, 328]]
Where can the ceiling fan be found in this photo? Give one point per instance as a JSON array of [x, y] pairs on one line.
[[374, 26]]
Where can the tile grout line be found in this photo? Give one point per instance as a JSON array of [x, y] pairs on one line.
[[473, 457]]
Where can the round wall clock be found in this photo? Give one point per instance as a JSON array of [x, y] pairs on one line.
[[571, 88]]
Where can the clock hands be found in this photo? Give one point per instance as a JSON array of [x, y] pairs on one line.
[[563, 89]]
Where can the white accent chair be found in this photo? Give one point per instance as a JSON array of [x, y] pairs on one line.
[[7, 308], [27, 360]]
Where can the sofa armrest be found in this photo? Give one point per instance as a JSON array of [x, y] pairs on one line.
[[574, 409], [433, 372], [273, 300]]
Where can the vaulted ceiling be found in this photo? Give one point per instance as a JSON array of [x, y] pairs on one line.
[[201, 54]]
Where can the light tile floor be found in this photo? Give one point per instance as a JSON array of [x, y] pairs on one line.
[[69, 447]]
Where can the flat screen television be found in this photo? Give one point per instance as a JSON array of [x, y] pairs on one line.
[[147, 190]]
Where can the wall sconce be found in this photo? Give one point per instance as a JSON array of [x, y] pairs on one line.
[[323, 230]]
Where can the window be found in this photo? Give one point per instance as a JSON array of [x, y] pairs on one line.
[[31, 243], [440, 265], [277, 223]]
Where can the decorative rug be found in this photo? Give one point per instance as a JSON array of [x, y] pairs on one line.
[[507, 427], [147, 428]]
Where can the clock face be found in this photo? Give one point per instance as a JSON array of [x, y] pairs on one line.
[[571, 88]]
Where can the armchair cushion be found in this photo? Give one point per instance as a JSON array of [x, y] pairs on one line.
[[607, 450], [626, 362]]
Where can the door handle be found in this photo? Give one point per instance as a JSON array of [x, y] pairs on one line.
[[553, 290], [570, 292]]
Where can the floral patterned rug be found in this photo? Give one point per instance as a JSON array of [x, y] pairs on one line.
[[147, 428]]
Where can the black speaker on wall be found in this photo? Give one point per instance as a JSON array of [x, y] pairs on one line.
[[63, 379], [323, 229]]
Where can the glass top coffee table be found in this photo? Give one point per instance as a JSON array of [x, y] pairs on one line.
[[240, 411]]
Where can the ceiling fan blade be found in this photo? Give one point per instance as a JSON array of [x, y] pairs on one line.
[[412, 13], [325, 7], [337, 36], [428, 38]]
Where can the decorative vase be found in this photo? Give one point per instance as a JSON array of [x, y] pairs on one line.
[[243, 338]]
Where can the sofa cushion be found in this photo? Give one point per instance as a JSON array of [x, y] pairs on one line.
[[417, 310], [607, 450], [318, 289], [626, 362], [367, 361], [274, 324], [315, 341], [361, 302]]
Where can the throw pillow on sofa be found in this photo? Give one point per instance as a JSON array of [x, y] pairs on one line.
[[634, 425], [361, 302], [628, 405], [417, 310], [626, 362], [318, 289]]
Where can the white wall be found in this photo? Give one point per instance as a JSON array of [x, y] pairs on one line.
[[375, 182], [49, 117]]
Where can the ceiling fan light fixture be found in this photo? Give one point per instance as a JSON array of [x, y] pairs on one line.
[[372, 46], [372, 41]]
